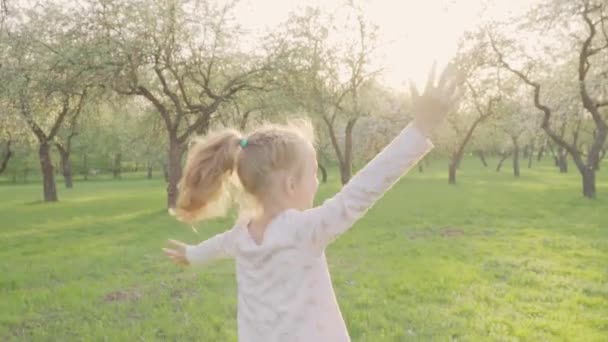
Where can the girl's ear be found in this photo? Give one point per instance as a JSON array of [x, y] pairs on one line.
[[285, 183], [290, 185]]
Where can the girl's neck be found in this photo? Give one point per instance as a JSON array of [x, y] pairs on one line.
[[258, 224], [267, 214]]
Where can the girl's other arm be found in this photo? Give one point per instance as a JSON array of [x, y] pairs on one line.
[[216, 247]]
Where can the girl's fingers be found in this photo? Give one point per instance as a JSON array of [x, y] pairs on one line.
[[453, 78], [175, 242], [413, 90], [459, 77], [447, 73], [178, 244], [459, 93], [450, 87], [431, 80], [177, 261], [455, 99], [172, 253], [180, 260]]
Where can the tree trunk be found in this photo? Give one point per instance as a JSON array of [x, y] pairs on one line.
[[420, 168], [66, 167], [541, 152], [323, 173], [346, 167], [482, 157], [598, 161], [149, 171], [4, 162], [504, 157], [117, 165], [48, 177], [530, 156], [166, 172], [585, 168], [203, 128], [335, 145], [526, 151], [453, 164], [562, 160], [174, 172], [555, 156], [345, 172], [457, 156], [588, 182], [85, 166], [516, 162], [6, 157], [452, 173], [515, 157]]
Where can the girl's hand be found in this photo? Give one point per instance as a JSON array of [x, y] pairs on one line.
[[177, 252], [437, 101]]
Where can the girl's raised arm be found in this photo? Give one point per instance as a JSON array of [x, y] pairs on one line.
[[321, 225]]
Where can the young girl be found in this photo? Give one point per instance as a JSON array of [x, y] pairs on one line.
[[284, 287]]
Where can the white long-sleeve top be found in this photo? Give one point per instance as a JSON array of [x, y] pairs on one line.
[[284, 287]]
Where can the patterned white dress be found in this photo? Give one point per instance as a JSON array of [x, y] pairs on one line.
[[284, 287]]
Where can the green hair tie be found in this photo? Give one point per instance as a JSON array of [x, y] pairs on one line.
[[244, 142]]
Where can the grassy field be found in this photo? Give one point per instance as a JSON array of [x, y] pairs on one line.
[[491, 259]]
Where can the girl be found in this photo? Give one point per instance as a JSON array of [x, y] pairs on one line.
[[284, 287]]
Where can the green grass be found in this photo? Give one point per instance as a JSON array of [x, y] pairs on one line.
[[491, 259]]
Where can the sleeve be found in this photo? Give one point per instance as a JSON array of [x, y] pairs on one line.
[[217, 247], [319, 226]]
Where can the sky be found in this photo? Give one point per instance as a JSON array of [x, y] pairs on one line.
[[413, 33]]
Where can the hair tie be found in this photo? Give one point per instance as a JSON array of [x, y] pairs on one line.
[[244, 143]]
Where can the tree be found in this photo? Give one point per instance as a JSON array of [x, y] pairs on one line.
[[327, 79], [179, 56], [483, 111], [145, 139], [44, 83], [592, 42], [518, 126], [482, 85], [65, 137]]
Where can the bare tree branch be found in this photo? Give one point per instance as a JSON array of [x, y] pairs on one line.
[[537, 102]]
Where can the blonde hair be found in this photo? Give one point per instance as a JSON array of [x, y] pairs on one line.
[[212, 160]]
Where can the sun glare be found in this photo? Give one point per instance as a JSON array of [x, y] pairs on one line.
[[413, 34]]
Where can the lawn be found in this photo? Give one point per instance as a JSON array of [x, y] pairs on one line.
[[491, 259]]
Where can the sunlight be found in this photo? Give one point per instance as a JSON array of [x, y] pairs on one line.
[[412, 33]]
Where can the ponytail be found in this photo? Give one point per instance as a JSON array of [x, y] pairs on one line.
[[212, 160], [209, 165]]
